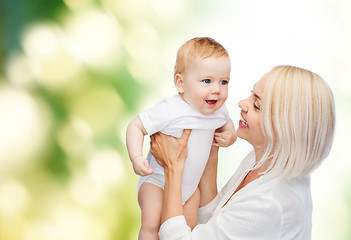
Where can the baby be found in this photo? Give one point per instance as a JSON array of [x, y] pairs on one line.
[[201, 76]]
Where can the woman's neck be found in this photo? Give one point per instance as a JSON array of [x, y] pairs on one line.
[[259, 153]]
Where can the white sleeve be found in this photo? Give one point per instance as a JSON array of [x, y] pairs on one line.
[[225, 112], [255, 218], [206, 212], [156, 118]]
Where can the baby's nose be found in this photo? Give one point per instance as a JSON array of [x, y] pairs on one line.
[[215, 88]]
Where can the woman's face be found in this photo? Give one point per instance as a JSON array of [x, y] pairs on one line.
[[250, 123]]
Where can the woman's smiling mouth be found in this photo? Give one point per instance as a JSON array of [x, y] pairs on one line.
[[242, 122]]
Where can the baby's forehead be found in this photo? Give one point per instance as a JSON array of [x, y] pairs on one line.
[[204, 60]]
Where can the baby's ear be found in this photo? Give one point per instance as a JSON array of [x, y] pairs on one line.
[[178, 81]]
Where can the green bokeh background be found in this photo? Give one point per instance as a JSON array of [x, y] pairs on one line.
[[73, 73]]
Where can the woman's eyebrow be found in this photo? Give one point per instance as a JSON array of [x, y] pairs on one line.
[[256, 96]]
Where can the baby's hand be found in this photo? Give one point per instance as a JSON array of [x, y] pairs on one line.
[[224, 138], [141, 166]]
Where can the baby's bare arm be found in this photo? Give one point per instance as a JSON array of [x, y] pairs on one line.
[[226, 135], [135, 139]]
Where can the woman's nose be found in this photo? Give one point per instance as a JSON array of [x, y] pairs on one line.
[[243, 105]]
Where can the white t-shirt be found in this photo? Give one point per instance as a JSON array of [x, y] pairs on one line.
[[266, 208], [171, 116]]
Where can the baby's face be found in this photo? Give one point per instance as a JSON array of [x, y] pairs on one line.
[[205, 83]]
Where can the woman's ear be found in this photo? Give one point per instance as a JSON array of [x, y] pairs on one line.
[[178, 81]]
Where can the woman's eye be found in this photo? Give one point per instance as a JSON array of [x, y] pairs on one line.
[[224, 82], [257, 107], [207, 81]]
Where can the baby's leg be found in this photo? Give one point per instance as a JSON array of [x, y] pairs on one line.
[[191, 208], [150, 199]]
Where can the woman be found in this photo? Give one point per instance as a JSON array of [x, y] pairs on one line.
[[289, 120]]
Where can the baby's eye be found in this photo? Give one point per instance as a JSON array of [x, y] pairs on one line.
[[224, 82], [207, 81]]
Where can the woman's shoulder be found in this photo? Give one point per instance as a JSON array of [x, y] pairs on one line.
[[292, 189], [294, 198], [286, 195], [270, 205]]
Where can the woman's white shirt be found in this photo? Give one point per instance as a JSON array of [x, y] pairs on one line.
[[266, 208]]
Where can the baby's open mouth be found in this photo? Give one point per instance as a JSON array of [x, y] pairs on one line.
[[211, 101]]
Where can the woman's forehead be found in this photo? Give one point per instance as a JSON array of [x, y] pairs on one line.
[[260, 85]]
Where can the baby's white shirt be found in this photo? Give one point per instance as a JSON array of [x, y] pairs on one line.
[[171, 116]]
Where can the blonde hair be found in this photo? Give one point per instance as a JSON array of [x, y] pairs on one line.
[[298, 121], [203, 47]]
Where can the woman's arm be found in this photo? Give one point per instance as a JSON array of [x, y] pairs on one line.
[[254, 215], [171, 153], [208, 182]]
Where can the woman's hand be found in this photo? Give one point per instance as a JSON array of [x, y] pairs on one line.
[[170, 152]]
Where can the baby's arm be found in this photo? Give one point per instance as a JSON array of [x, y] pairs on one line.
[[225, 136], [134, 139]]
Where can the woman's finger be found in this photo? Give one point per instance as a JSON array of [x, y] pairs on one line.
[[153, 143], [185, 136], [156, 148], [167, 150]]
